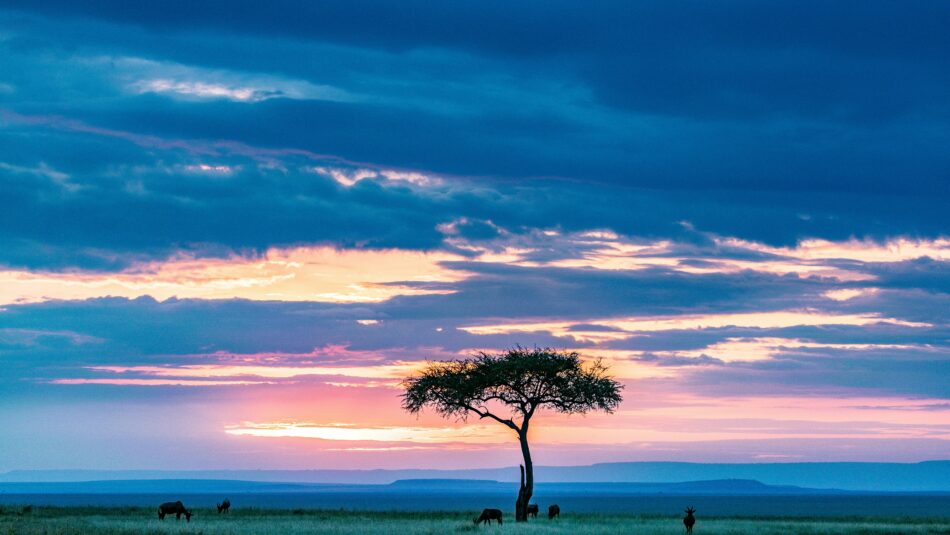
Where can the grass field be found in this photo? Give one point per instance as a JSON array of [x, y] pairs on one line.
[[128, 520]]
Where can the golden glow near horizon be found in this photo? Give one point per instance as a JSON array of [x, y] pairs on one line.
[[672, 417], [471, 434]]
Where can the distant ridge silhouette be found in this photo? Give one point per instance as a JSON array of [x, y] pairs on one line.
[[930, 476]]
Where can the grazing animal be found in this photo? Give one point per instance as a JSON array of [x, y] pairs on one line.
[[174, 508], [533, 510], [554, 511], [689, 520], [224, 506], [488, 515]]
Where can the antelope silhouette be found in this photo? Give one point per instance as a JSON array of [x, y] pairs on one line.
[[488, 515], [173, 508], [224, 506], [689, 520], [554, 511]]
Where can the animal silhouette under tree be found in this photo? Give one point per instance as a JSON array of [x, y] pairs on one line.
[[521, 380]]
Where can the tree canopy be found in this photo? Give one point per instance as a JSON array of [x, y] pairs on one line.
[[525, 380]]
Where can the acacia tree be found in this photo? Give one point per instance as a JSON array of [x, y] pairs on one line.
[[509, 388]]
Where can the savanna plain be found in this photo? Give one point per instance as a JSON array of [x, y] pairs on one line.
[[128, 520]]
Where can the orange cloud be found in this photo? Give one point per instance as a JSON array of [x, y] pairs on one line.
[[608, 251], [845, 294], [296, 274], [321, 273], [753, 349], [389, 371], [895, 250], [152, 382], [627, 327]]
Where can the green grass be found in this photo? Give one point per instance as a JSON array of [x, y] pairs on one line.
[[129, 520]]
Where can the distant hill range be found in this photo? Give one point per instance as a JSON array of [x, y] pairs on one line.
[[645, 477], [719, 487], [726, 487]]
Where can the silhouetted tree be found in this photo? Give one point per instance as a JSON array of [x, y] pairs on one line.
[[519, 381]]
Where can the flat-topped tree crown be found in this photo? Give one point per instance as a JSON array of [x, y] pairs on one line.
[[523, 380]]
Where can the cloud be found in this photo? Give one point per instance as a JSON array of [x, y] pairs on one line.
[[33, 337], [134, 202], [473, 434], [299, 274], [845, 294], [41, 170], [895, 250], [183, 81], [151, 382], [741, 207], [624, 328], [745, 156], [349, 177], [396, 371]]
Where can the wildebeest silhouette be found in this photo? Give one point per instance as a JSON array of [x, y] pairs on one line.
[[224, 506], [553, 511], [533, 510], [689, 520], [174, 508], [488, 515]]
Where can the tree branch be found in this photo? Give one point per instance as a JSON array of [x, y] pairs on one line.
[[486, 414]]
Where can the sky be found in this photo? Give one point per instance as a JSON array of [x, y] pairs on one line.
[[229, 229]]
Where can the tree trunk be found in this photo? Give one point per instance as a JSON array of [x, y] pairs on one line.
[[527, 481]]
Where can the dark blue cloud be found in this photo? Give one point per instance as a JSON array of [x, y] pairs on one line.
[[545, 28], [502, 291], [117, 201], [888, 372], [770, 123], [923, 273]]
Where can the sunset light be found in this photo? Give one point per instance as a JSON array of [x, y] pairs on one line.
[[320, 262]]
